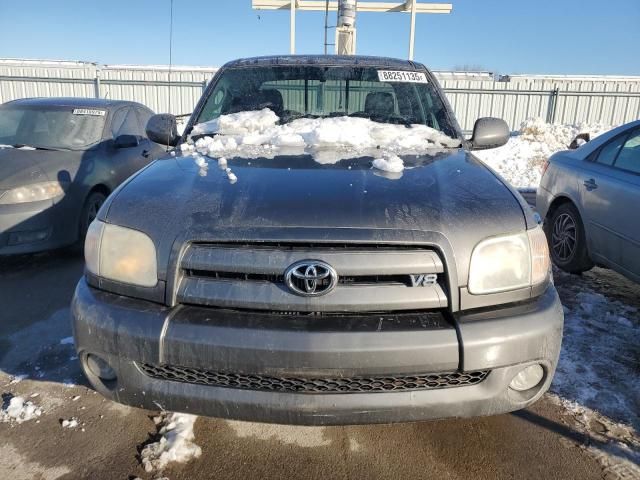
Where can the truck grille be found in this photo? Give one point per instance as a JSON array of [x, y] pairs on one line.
[[369, 277], [427, 381]]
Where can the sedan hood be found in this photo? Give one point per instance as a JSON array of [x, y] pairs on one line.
[[449, 198], [23, 167]]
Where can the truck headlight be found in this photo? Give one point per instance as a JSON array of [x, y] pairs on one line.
[[32, 193], [509, 262], [121, 254]]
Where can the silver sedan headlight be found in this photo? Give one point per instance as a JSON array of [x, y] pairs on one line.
[[121, 254], [32, 193], [509, 262]]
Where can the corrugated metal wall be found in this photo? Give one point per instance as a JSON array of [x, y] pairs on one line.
[[145, 84], [557, 99]]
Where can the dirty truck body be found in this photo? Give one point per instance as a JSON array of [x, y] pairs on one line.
[[319, 293]]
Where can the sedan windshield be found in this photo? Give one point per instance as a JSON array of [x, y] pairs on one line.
[[50, 127], [292, 92]]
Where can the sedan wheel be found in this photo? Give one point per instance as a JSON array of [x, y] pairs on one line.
[[567, 239], [94, 206], [90, 211], [563, 237]]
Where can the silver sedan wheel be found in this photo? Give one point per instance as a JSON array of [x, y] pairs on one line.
[[563, 237]]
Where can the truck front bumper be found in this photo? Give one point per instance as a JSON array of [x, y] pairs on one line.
[[130, 334]]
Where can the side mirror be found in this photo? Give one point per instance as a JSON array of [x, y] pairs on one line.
[[163, 129], [580, 140], [489, 132], [126, 141]]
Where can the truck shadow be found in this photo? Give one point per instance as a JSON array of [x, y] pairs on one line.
[[36, 326]]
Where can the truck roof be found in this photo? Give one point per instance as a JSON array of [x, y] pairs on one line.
[[340, 60]]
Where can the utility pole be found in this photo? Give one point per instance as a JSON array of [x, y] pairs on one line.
[[292, 33], [346, 29], [412, 28]]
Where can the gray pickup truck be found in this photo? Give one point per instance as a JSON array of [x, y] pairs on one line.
[[320, 248]]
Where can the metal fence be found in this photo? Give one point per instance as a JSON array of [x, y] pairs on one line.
[[176, 90], [604, 100], [557, 99]]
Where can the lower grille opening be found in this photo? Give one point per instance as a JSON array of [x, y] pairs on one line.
[[389, 383]]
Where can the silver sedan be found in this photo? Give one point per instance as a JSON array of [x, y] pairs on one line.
[[589, 199]]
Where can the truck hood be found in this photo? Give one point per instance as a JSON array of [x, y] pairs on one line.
[[448, 197]]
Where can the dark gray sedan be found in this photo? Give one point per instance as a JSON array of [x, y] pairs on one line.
[[588, 197], [59, 160]]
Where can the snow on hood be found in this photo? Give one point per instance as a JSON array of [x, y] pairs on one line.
[[24, 147], [257, 134]]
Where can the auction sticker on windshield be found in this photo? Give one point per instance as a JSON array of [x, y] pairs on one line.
[[89, 111], [402, 76]]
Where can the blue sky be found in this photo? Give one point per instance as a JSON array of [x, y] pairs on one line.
[[504, 36]]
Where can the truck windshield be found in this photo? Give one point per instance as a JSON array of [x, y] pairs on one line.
[[50, 127], [291, 92]]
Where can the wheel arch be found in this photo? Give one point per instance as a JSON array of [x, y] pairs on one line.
[[100, 187], [555, 204]]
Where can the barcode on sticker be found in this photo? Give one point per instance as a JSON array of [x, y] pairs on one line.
[[402, 76], [89, 111]]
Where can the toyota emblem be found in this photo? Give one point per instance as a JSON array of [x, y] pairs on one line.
[[311, 278]]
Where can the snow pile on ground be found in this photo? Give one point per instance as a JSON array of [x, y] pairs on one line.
[[18, 410], [176, 443], [257, 133], [596, 378], [520, 160]]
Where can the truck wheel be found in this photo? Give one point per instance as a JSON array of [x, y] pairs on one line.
[[567, 240]]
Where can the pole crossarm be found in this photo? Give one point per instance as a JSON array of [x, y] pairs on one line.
[[320, 5], [413, 7]]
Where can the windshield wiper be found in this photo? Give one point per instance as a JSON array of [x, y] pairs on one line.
[[290, 117], [393, 119], [23, 145]]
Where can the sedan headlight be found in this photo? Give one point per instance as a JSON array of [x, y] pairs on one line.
[[32, 193], [121, 254], [509, 262]]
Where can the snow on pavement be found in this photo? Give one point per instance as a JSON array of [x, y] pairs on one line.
[[19, 410], [597, 376], [176, 443]]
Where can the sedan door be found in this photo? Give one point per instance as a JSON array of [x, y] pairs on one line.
[[610, 183]]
